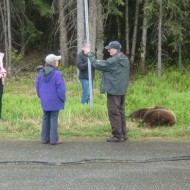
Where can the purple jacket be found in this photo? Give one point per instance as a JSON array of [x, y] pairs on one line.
[[50, 87]]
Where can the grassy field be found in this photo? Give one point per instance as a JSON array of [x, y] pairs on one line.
[[22, 114]]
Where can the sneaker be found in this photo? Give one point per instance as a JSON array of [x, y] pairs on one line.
[[60, 141], [115, 139]]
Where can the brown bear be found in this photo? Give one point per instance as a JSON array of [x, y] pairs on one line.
[[159, 117], [139, 114]]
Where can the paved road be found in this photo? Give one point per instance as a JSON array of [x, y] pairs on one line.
[[95, 165]]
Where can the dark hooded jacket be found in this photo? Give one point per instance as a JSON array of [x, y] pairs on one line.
[[50, 87], [82, 64], [115, 73]]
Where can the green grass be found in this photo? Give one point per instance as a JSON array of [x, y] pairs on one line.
[[22, 114]]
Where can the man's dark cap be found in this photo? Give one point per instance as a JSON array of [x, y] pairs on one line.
[[114, 45]]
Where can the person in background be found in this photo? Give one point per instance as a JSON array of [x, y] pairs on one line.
[[51, 90], [115, 80], [2, 81], [82, 64]]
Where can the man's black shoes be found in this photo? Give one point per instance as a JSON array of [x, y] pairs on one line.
[[116, 139]]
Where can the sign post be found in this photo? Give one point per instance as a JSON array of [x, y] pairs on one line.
[[88, 43]]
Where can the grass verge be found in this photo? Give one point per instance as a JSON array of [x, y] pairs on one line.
[[22, 114]]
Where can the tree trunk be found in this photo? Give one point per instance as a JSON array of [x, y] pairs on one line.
[[80, 28], [133, 49], [6, 19], [80, 24], [63, 34], [180, 56], [144, 37], [4, 24], [22, 30], [92, 23], [159, 64], [118, 28], [99, 31], [127, 26]]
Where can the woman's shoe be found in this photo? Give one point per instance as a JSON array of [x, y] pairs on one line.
[[60, 141], [45, 142]]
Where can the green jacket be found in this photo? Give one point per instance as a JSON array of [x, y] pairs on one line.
[[115, 77]]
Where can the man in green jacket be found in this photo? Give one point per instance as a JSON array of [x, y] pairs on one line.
[[115, 81]]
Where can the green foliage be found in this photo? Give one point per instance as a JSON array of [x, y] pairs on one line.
[[149, 8], [35, 26], [33, 32], [68, 72], [113, 7], [186, 62], [17, 58], [173, 23], [23, 115], [43, 7]]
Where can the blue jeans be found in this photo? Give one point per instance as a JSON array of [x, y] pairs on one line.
[[85, 91], [49, 126]]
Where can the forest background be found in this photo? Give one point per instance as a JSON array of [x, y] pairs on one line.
[[154, 35]]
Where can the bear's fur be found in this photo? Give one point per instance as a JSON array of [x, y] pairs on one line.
[[154, 116], [139, 114], [159, 117]]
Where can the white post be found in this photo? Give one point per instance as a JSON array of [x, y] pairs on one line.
[[88, 42]]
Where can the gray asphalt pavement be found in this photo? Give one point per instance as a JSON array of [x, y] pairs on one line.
[[95, 165]]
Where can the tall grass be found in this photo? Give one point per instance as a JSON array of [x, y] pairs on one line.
[[23, 115]]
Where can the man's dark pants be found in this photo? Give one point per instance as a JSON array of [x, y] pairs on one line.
[[116, 113]]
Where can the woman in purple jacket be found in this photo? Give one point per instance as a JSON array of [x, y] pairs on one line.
[[50, 87]]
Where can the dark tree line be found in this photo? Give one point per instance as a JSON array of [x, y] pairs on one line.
[[151, 31]]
